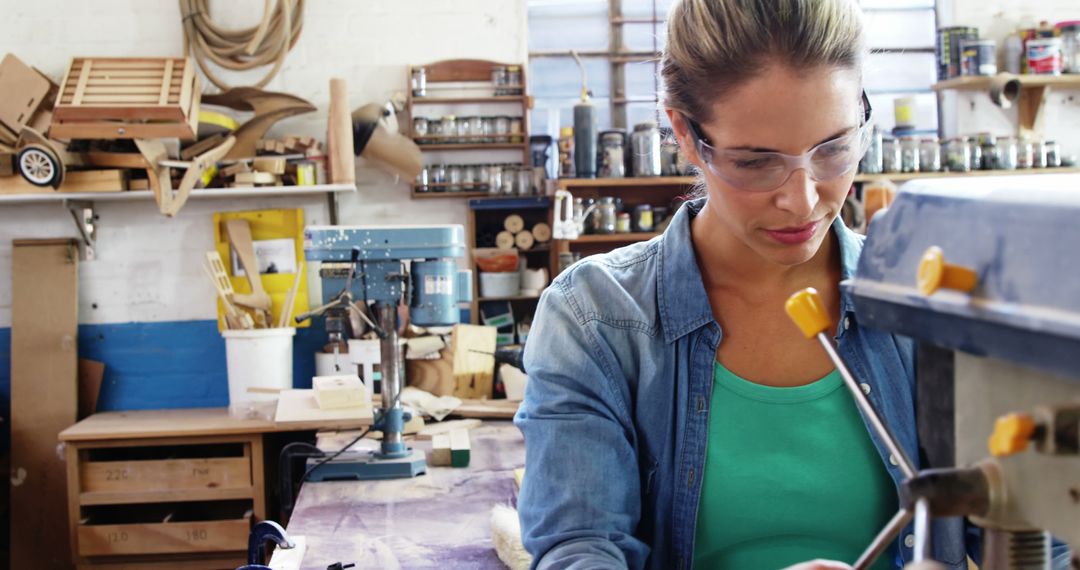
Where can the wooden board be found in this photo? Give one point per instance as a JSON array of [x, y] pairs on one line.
[[474, 360], [24, 89], [44, 397], [487, 409], [341, 158], [16, 184], [300, 406], [90, 375], [95, 181], [432, 430], [165, 475]]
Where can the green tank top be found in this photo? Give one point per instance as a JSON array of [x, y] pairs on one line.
[[791, 475]]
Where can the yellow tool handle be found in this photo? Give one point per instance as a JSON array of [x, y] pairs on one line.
[[808, 312], [935, 274], [1011, 434]]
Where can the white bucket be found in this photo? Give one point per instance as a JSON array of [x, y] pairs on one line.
[[261, 359]]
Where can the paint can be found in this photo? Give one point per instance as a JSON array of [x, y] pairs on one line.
[[948, 49], [978, 57], [1044, 56]]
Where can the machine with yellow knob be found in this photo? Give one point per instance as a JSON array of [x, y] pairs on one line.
[[984, 275]]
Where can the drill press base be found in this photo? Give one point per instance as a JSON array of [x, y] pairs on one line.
[[364, 465]]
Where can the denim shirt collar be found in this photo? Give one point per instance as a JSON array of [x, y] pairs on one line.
[[684, 304]]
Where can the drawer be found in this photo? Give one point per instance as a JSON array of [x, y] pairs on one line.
[[183, 528], [165, 475]]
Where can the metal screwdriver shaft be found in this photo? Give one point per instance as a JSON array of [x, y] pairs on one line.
[[809, 314]]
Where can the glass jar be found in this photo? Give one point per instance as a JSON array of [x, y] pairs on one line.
[[487, 129], [612, 154], [871, 162], [890, 155], [1039, 154], [448, 128], [566, 152], [645, 149], [423, 180], [438, 177], [976, 152], [605, 216], [474, 129], [509, 180], [502, 129], [1070, 45], [483, 177], [669, 158], [958, 155], [622, 223], [929, 155], [989, 154], [453, 178], [1025, 153], [468, 177], [524, 185], [419, 82], [643, 218], [513, 80], [499, 79], [517, 130], [1053, 154], [1006, 153], [494, 179], [420, 128], [462, 130], [909, 154]]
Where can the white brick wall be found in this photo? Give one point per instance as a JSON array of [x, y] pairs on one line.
[[148, 267]]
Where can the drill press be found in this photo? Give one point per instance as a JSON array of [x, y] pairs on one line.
[[389, 270]]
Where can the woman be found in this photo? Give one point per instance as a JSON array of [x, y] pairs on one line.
[[674, 415]]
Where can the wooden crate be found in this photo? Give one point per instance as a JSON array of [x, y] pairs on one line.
[[124, 98]]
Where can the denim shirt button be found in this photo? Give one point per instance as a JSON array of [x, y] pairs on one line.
[[892, 460], [865, 388], [909, 541], [847, 323]]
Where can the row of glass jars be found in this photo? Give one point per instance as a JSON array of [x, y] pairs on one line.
[[451, 129], [957, 154], [509, 179]]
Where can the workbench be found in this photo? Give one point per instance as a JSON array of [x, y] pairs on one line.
[[438, 520], [168, 488]]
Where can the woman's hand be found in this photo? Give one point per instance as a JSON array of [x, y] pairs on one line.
[[820, 565]]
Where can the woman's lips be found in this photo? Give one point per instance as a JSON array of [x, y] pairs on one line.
[[794, 235]]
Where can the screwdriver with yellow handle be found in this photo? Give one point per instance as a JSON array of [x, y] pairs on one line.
[[808, 312]]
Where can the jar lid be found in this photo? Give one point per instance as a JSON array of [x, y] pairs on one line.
[[449, 118], [645, 126], [513, 68], [566, 132], [624, 215]]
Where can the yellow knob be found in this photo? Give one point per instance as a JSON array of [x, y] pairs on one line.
[[808, 312], [1011, 434], [935, 274]]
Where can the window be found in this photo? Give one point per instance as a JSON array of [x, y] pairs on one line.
[[620, 41]]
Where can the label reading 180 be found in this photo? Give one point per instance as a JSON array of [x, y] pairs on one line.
[[197, 534]]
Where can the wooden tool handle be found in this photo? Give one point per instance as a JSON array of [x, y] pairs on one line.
[[240, 237]]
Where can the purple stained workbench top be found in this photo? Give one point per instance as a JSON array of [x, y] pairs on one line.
[[438, 520]]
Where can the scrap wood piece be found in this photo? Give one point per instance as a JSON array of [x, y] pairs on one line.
[[269, 107], [474, 360], [191, 151], [432, 430], [451, 449], [487, 409]]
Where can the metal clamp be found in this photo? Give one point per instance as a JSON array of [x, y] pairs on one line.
[[85, 218]]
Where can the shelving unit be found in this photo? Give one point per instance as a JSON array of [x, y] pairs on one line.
[[900, 177], [463, 82], [1033, 93], [615, 238]]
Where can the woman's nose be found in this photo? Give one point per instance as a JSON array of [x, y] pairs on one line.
[[798, 194]]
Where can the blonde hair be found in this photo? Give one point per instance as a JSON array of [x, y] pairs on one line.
[[713, 46]]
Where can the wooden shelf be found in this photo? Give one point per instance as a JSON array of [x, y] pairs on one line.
[[432, 195], [898, 177], [135, 195], [567, 183], [983, 82], [474, 146], [461, 100], [165, 496], [615, 238]]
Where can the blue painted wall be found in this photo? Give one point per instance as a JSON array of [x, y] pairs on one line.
[[164, 365]]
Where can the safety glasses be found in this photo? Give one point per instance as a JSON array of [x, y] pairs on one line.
[[754, 171]]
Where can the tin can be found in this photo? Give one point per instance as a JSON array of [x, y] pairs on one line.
[[643, 218], [948, 49], [420, 128], [1006, 156], [978, 57], [929, 155], [1044, 56], [305, 173], [419, 82]]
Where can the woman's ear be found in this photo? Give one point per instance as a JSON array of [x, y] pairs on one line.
[[681, 129]]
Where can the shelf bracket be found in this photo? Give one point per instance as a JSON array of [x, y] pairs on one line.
[[1030, 110], [85, 218]]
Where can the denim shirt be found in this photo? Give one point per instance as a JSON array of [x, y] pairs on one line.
[[620, 362]]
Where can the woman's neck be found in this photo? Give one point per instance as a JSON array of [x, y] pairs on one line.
[[727, 263]]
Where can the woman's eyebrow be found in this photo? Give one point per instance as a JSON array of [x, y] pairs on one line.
[[835, 135]]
